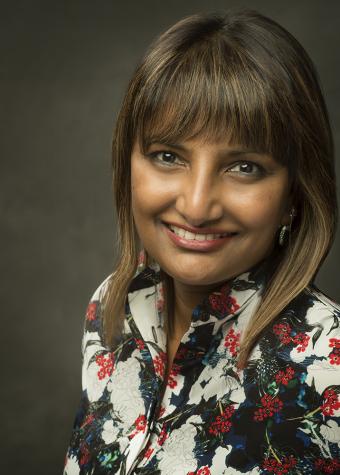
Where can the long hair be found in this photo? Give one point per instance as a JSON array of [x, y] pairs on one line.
[[237, 75]]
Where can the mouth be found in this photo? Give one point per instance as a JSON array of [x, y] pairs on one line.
[[200, 237]]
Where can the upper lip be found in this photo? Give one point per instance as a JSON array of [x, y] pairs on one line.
[[199, 230]]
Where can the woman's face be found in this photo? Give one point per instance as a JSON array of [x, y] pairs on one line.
[[197, 185]]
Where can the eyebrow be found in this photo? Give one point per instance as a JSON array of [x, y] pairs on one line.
[[229, 152]]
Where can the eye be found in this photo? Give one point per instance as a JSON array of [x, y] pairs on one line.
[[164, 157], [247, 168]]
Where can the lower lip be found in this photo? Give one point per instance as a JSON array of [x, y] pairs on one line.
[[207, 245]]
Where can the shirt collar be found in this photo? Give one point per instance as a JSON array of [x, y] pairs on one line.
[[225, 303]]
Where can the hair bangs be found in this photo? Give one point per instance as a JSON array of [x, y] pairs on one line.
[[219, 96]]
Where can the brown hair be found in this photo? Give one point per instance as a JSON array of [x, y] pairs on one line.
[[236, 74]]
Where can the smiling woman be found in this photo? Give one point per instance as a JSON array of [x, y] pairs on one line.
[[206, 193], [209, 350]]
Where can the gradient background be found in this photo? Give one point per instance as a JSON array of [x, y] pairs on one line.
[[63, 70]]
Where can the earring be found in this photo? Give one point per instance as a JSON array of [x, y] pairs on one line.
[[282, 235], [285, 228]]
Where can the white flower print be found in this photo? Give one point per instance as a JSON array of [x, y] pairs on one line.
[[323, 374], [110, 432], [125, 393], [331, 431], [157, 432], [179, 450]]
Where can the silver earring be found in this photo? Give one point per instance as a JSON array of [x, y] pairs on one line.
[[282, 235], [286, 229]]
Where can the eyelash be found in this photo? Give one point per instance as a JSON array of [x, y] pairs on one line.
[[261, 171]]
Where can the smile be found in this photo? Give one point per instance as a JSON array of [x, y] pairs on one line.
[[188, 236], [195, 241]]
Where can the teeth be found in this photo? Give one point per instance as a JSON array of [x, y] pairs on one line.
[[200, 237], [197, 237], [187, 234]]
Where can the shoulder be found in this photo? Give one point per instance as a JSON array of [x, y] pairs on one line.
[[100, 290], [321, 310], [305, 339], [314, 308], [308, 329], [319, 296], [308, 334], [93, 311]]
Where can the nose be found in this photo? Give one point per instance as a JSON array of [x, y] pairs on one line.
[[199, 198]]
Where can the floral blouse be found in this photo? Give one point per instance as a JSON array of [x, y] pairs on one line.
[[280, 415]]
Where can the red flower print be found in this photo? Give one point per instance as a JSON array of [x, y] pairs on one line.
[[172, 383], [89, 418], [162, 436], [331, 402], [334, 358], [327, 465], [219, 426], [301, 339], [223, 302], [140, 344], [269, 406], [285, 376], [283, 330], [203, 471], [91, 311], [231, 341], [221, 423], [85, 456], [106, 365], [334, 343], [148, 451], [161, 412], [272, 465], [330, 396], [277, 404], [140, 423], [159, 363]]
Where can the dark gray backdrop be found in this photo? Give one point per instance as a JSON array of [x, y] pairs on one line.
[[64, 66]]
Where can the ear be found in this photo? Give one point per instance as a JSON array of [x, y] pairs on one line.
[[289, 210], [288, 215]]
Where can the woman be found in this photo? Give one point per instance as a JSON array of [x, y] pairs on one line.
[[217, 354]]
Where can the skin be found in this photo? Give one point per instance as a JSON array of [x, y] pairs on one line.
[[204, 184]]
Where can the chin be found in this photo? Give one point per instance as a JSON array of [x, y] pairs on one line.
[[195, 276]]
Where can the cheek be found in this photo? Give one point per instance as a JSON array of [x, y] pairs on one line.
[[145, 191], [261, 208]]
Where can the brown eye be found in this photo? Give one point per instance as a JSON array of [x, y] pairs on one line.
[[247, 168], [167, 157], [164, 157]]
